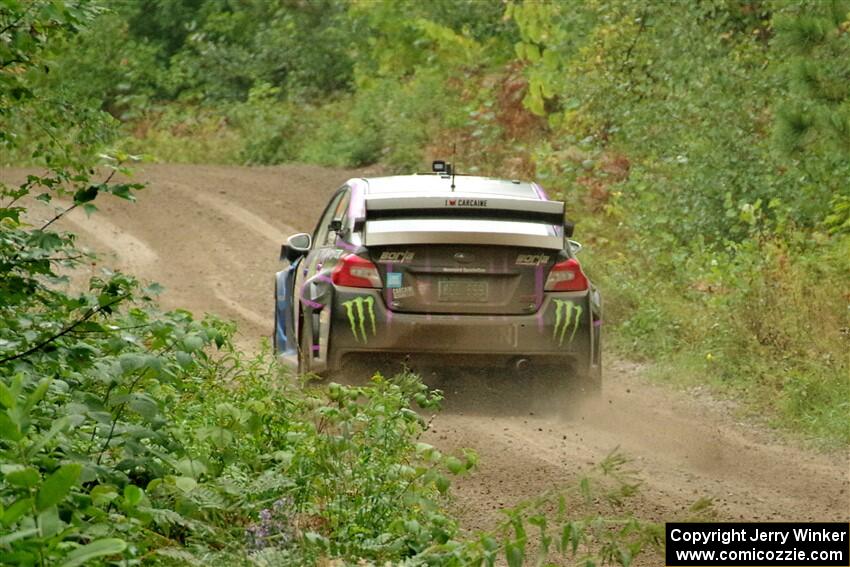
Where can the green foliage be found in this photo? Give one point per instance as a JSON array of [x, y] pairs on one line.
[[388, 121], [711, 237], [273, 138], [44, 125], [265, 83], [86, 380], [545, 531], [27, 33], [818, 76], [206, 49]]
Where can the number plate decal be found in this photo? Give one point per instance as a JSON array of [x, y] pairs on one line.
[[403, 292], [459, 290]]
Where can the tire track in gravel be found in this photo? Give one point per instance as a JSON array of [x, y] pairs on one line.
[[210, 235], [685, 448], [250, 221], [125, 250]]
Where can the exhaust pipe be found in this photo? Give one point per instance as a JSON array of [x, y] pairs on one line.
[[521, 364]]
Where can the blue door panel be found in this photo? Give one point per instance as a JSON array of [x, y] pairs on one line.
[[285, 329]]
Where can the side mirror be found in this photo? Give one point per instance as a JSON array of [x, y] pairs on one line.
[[569, 228], [575, 246], [296, 246]]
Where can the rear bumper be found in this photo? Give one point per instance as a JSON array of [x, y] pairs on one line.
[[561, 330]]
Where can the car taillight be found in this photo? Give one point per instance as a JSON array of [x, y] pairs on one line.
[[354, 271], [566, 276]]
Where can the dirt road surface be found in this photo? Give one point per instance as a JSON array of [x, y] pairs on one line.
[[211, 235]]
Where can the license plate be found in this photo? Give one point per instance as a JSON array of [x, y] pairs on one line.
[[456, 290]]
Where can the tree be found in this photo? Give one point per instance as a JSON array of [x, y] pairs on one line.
[[813, 125]]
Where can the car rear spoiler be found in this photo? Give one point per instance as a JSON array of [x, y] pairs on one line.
[[463, 206], [521, 220]]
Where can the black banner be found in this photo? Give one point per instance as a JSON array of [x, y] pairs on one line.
[[768, 544]]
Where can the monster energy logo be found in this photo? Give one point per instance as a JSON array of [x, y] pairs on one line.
[[566, 313], [356, 310]]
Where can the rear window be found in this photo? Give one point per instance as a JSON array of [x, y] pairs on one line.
[[434, 185]]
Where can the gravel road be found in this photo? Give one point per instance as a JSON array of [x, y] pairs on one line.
[[211, 235]]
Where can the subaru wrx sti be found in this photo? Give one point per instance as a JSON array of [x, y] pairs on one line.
[[439, 270]]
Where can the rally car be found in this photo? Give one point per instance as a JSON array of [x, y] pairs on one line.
[[437, 269]]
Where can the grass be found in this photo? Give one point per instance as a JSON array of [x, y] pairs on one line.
[[766, 330]]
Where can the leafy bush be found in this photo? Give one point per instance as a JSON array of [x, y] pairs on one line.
[[545, 529], [713, 244], [181, 134]]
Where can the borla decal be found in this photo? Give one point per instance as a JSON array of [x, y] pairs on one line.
[[532, 259], [397, 257], [566, 313], [356, 310]]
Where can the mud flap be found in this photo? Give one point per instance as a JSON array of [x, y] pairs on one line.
[[316, 323]]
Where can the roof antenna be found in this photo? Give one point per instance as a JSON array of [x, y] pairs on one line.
[[454, 164]]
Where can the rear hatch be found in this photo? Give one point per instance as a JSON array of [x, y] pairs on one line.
[[463, 279], [462, 254]]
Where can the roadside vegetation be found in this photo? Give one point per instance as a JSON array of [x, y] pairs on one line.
[[131, 435], [702, 147]]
